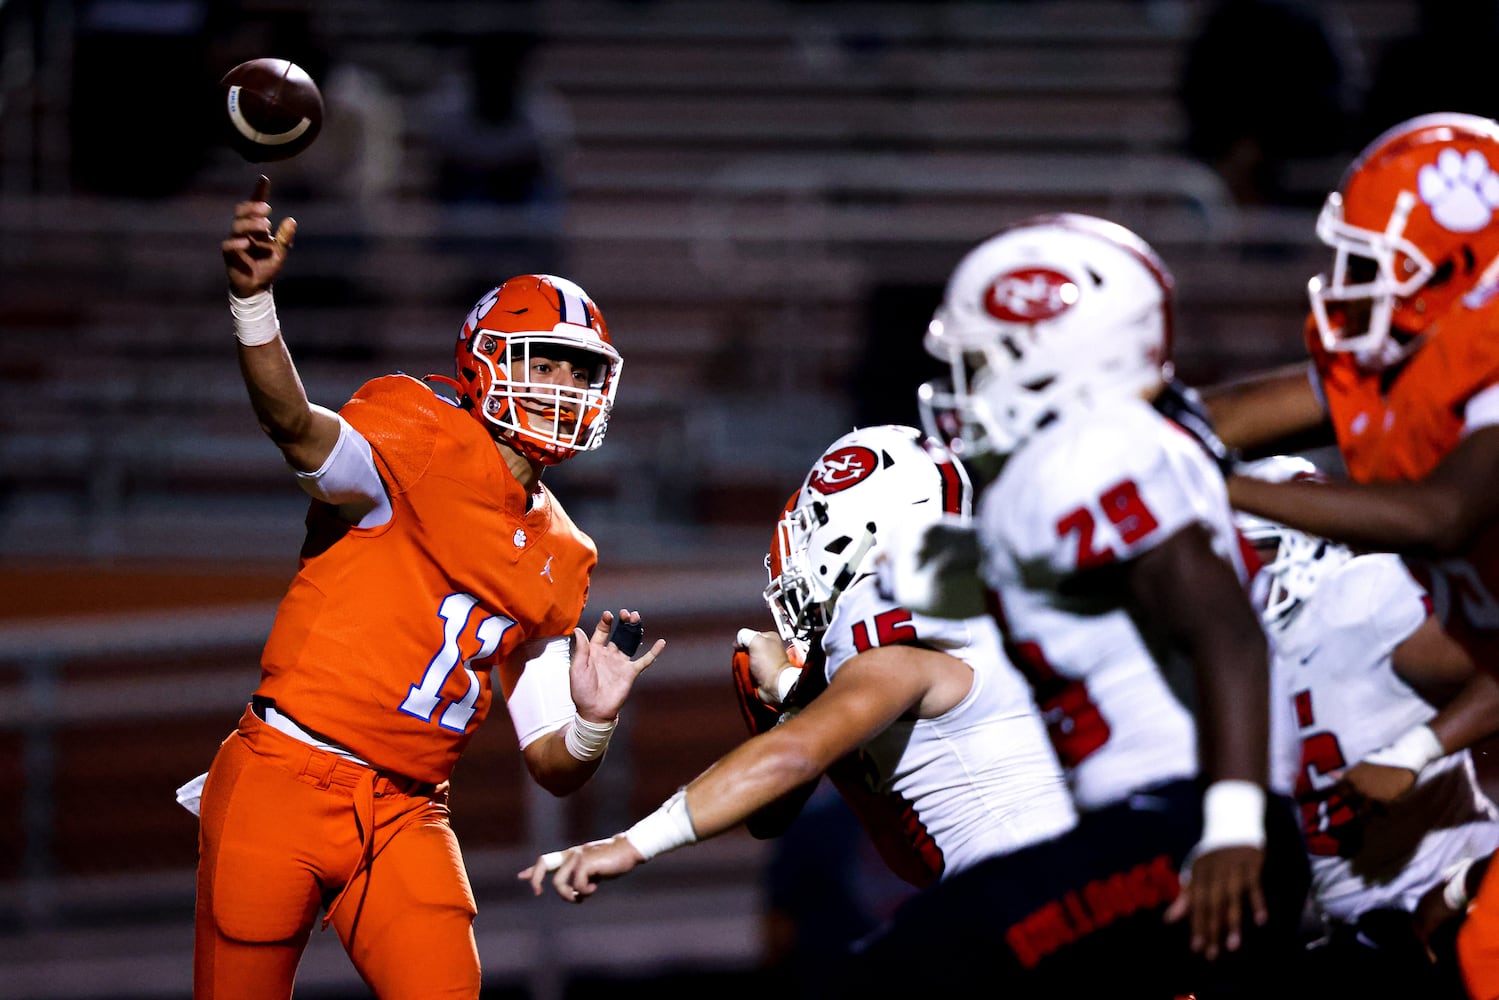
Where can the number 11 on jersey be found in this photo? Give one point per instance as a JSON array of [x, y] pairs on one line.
[[422, 700]]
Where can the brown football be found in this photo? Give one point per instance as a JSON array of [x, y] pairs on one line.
[[274, 109]]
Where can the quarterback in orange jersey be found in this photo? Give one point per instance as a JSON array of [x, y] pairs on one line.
[[1404, 339], [434, 556]]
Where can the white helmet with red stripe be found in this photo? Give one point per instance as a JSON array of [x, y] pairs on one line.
[[1052, 312], [865, 485], [1295, 562]]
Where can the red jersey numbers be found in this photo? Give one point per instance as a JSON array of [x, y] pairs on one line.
[[1076, 726], [1330, 824], [424, 698], [1122, 506], [891, 628]]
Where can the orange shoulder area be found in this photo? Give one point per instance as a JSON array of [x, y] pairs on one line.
[[401, 417]]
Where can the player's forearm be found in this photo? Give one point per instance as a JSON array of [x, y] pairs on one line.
[[556, 768], [1471, 716], [1261, 410], [1232, 657], [1194, 599], [305, 436], [737, 787], [1233, 713], [749, 778], [1411, 518]]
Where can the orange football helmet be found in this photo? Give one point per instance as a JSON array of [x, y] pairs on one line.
[[1415, 227], [507, 353]]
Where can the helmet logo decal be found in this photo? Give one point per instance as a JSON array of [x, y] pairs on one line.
[[838, 470], [479, 311], [1029, 295], [1461, 190]]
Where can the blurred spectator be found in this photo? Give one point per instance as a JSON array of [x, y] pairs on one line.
[[1445, 66], [357, 157], [491, 133], [1266, 84]]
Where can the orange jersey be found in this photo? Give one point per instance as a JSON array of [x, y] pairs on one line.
[[1397, 426], [385, 641]]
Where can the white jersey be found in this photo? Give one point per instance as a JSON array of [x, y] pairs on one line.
[[1093, 488], [1333, 655], [978, 781]]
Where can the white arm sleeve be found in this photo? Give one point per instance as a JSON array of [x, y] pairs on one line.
[[542, 699], [1482, 410], [348, 479]]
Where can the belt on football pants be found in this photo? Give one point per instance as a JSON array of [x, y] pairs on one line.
[[341, 768]]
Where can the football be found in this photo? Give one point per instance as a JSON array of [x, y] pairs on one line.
[[274, 109]]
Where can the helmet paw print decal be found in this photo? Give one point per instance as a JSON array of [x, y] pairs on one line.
[[1462, 190]]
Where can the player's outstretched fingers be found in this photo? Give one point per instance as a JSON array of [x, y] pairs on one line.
[[1182, 904], [565, 882], [649, 656], [1257, 905], [1233, 918], [1208, 917], [262, 189], [627, 632], [601, 629], [286, 233], [541, 868]]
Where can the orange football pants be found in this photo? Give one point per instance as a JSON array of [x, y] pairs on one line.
[[285, 829]]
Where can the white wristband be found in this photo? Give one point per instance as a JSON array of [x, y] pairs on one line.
[[666, 829], [1455, 892], [1412, 751], [587, 740], [785, 681], [254, 318], [1233, 815]]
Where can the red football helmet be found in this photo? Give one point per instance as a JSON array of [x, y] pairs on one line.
[[507, 354], [1415, 227]]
